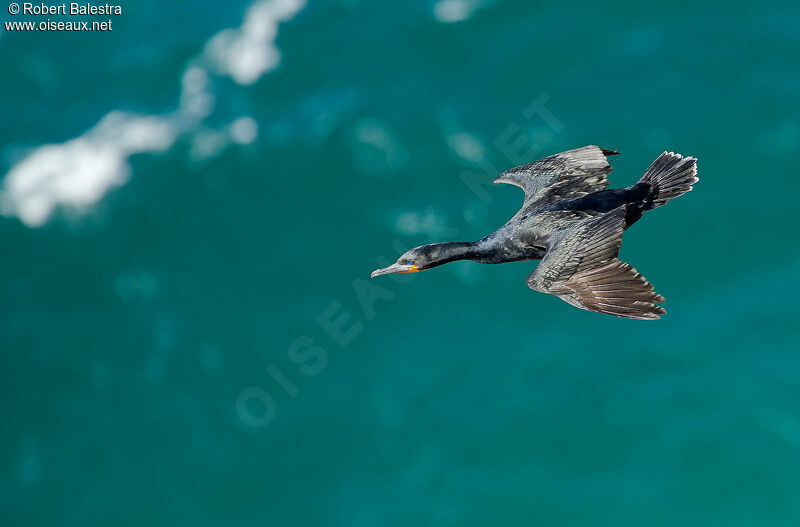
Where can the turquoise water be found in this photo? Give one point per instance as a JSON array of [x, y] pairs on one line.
[[187, 213]]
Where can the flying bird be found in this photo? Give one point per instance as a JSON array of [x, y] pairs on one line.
[[574, 225]]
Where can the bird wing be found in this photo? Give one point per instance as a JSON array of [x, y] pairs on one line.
[[581, 267], [567, 175]]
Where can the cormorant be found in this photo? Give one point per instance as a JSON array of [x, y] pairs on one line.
[[574, 225]]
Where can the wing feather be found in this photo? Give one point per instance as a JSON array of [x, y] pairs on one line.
[[581, 267], [567, 175]]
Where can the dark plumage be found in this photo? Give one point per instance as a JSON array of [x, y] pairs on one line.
[[574, 225]]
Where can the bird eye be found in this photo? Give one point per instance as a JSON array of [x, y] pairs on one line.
[[409, 262]]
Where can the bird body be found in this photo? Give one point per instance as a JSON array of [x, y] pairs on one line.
[[574, 225]]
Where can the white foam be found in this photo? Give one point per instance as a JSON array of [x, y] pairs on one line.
[[248, 52], [451, 11], [244, 130], [207, 143], [431, 223], [79, 172], [197, 101], [466, 146]]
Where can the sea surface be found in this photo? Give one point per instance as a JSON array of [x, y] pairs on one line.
[[191, 205]]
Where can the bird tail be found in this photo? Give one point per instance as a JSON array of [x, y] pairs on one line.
[[671, 175]]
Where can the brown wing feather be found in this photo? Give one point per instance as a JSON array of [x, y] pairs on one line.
[[615, 288]]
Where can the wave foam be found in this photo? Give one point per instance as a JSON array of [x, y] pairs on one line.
[[79, 172], [248, 52], [451, 11]]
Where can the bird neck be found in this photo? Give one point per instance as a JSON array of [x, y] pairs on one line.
[[443, 253]]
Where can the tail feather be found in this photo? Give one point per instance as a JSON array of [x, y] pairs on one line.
[[670, 176]]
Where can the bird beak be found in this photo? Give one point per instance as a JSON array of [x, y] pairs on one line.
[[395, 268]]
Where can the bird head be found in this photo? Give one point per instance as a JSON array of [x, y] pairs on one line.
[[416, 259]]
